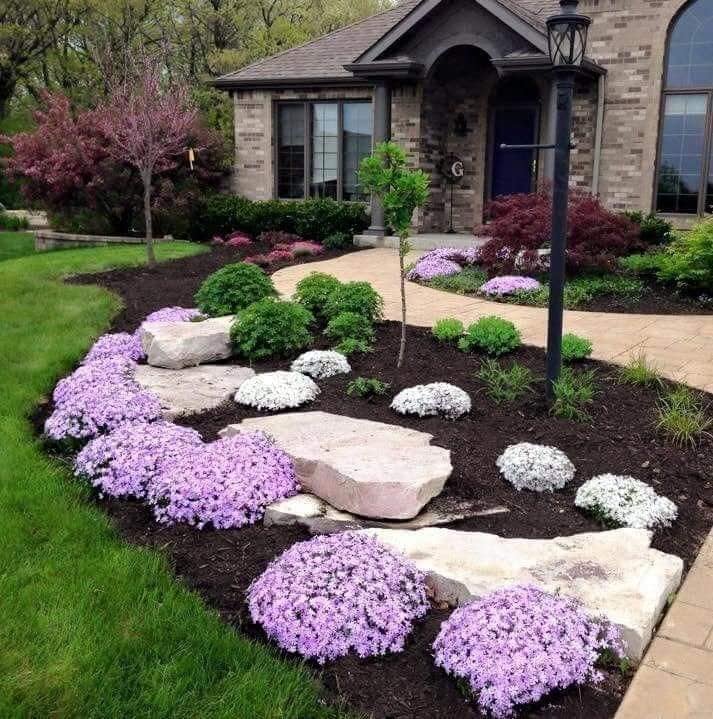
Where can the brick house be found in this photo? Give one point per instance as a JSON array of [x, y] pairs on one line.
[[458, 78]]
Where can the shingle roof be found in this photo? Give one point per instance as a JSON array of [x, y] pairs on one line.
[[324, 58]]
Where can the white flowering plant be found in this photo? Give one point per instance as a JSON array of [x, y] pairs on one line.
[[537, 467], [430, 400], [273, 391], [321, 364], [625, 502]]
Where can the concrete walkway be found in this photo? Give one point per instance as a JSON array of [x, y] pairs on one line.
[[681, 347]]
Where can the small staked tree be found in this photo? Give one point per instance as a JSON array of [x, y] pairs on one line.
[[147, 122], [401, 191]]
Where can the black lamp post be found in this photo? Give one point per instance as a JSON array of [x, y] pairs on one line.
[[567, 39]]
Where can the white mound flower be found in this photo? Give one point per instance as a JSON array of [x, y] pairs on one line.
[[277, 390], [626, 501], [535, 466], [321, 364], [428, 400]]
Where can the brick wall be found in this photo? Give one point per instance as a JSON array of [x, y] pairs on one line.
[[584, 117]]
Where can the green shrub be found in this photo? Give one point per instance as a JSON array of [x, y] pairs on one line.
[[573, 391], [314, 219], [271, 328], [681, 416], [493, 335], [358, 297], [448, 329], [232, 288], [575, 348], [653, 229], [12, 223], [646, 265], [338, 241], [639, 371], [466, 282], [579, 291], [505, 385], [367, 387], [314, 290], [689, 259], [350, 325], [350, 346]]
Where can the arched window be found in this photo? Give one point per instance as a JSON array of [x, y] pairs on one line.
[[685, 167]]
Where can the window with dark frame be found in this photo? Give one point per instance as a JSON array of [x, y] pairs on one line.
[[685, 160], [320, 145]]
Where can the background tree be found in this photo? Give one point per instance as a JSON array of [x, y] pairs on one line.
[[401, 191]]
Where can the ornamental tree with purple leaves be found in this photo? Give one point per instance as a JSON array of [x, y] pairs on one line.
[[124, 462], [227, 483], [337, 594], [518, 644], [119, 344]]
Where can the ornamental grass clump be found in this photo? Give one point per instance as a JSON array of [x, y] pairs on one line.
[[119, 344], [273, 391], [575, 348], [232, 288], [518, 644], [430, 400], [509, 285], [224, 484], [321, 364], [492, 335], [536, 467], [573, 392], [97, 398], [623, 501], [682, 416], [505, 385], [124, 462], [338, 594]]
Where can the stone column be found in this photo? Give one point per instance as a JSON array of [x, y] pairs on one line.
[[382, 132]]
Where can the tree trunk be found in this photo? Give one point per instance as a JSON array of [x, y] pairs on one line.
[[402, 346], [151, 255], [8, 83]]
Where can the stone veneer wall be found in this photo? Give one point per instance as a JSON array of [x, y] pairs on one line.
[[253, 172], [628, 38]]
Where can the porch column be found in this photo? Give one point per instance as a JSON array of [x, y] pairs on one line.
[[382, 132]]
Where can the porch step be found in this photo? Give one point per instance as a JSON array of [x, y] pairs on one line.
[[425, 241]]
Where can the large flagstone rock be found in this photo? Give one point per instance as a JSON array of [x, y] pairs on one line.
[[359, 466], [321, 518], [175, 345], [615, 573], [194, 389]]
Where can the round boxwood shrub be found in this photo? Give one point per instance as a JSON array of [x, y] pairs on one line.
[[358, 297], [314, 290], [232, 288], [448, 329], [271, 328], [349, 325], [492, 335]]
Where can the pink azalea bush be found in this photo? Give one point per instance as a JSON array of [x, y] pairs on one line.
[[238, 239], [119, 344], [174, 314], [280, 256], [518, 644], [97, 398], [305, 248], [227, 483], [508, 285], [335, 594], [124, 462]]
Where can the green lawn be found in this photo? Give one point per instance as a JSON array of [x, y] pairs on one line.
[[16, 244], [90, 627]]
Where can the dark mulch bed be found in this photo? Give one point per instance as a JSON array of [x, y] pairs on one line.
[[657, 300], [621, 439]]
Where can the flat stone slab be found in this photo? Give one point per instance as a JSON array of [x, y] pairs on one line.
[[615, 573], [367, 468], [321, 518], [176, 345], [194, 389]]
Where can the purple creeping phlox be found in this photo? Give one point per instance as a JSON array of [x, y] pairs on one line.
[[227, 483], [120, 344], [335, 594], [516, 645], [124, 462], [429, 267], [173, 314], [97, 398], [509, 285]]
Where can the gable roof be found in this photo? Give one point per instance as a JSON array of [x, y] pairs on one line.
[[323, 60]]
